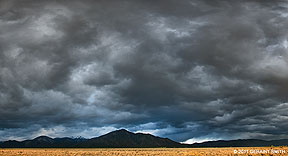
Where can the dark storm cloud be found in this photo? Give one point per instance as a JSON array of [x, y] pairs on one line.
[[186, 69]]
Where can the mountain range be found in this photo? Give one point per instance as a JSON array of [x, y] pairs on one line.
[[125, 139]]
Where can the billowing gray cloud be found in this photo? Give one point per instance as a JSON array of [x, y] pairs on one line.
[[191, 69]]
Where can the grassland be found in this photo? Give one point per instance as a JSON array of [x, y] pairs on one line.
[[245, 151]]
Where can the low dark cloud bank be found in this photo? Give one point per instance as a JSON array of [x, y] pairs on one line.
[[200, 69]]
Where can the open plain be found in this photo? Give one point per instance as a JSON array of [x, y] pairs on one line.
[[231, 151]]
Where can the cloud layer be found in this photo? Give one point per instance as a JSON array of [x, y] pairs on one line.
[[186, 69]]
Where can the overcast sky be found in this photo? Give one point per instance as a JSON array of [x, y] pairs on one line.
[[189, 70]]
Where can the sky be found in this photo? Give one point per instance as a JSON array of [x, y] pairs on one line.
[[189, 70]]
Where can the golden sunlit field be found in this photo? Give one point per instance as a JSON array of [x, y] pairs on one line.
[[252, 151]]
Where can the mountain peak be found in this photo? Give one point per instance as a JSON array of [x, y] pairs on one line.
[[43, 138], [124, 138], [124, 130], [121, 131]]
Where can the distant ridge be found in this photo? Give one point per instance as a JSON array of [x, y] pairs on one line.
[[242, 143], [116, 139], [125, 139]]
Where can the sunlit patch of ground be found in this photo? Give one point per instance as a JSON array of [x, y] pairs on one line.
[[245, 151]]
